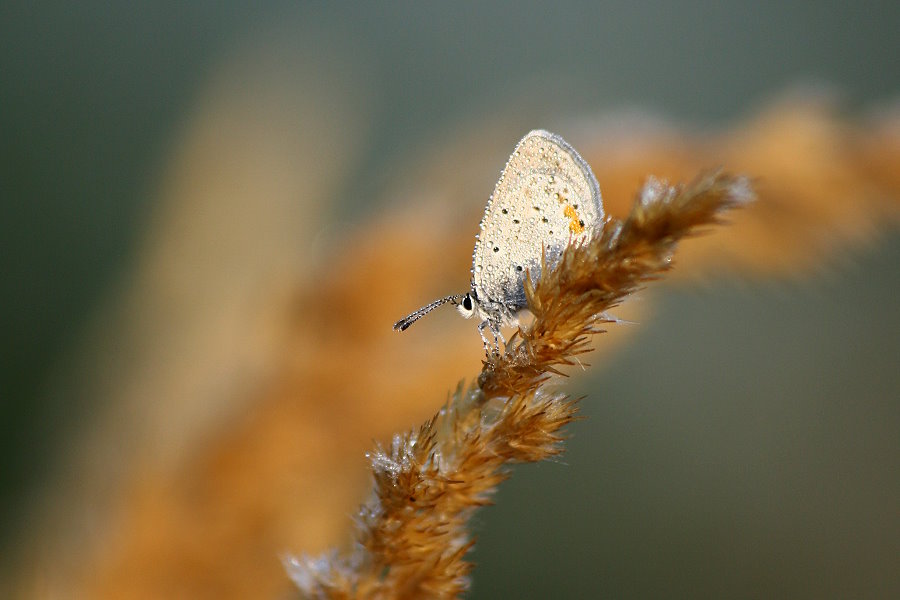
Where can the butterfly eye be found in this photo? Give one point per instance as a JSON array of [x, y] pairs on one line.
[[467, 302]]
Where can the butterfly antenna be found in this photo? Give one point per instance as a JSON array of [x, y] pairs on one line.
[[408, 320]]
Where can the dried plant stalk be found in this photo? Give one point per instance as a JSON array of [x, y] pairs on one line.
[[412, 535]]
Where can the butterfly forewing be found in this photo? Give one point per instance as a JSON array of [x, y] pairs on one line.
[[546, 196]]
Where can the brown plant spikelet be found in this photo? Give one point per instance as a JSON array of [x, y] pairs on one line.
[[412, 535]]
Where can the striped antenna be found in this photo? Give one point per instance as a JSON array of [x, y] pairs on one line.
[[405, 322]]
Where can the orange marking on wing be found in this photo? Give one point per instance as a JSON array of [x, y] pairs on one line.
[[575, 224]]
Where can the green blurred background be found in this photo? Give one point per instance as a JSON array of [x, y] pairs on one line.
[[766, 458]]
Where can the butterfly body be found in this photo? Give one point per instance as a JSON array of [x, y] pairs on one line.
[[546, 197]]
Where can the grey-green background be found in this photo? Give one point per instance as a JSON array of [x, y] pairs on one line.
[[760, 459]]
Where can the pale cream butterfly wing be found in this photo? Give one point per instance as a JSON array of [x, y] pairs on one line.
[[547, 195]]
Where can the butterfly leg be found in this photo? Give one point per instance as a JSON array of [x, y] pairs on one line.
[[487, 344], [495, 331], [481, 327]]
